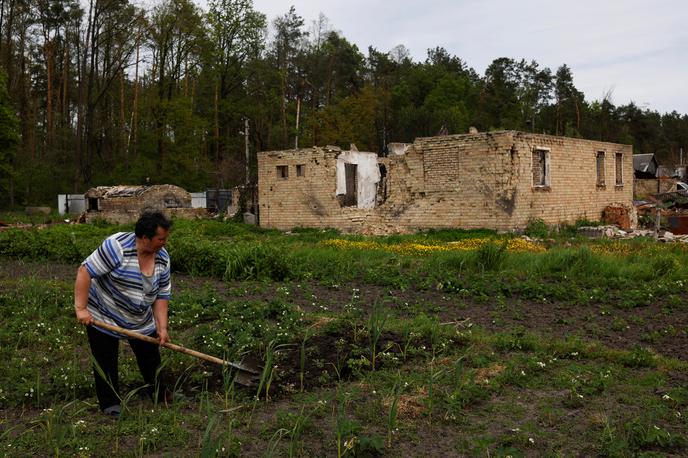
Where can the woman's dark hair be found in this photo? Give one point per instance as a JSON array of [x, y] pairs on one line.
[[149, 222]]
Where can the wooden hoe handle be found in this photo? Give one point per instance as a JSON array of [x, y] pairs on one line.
[[169, 345]]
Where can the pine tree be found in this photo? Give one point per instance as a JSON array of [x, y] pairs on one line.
[[8, 137]]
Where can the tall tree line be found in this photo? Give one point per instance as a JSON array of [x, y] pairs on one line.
[[103, 92]]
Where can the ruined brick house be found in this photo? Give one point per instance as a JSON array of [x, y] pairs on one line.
[[499, 180], [124, 204]]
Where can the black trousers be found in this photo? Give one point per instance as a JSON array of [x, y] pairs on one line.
[[105, 349]]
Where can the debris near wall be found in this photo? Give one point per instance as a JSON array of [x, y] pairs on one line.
[[671, 208], [609, 231], [673, 200], [614, 232], [618, 215]]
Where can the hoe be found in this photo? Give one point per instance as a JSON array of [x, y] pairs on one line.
[[245, 375]]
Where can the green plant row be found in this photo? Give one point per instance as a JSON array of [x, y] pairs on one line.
[[232, 251]]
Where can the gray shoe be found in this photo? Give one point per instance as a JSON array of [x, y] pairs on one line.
[[113, 411]]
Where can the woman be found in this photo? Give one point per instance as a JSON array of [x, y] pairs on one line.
[[126, 283]]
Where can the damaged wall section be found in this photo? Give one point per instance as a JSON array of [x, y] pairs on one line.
[[358, 172]]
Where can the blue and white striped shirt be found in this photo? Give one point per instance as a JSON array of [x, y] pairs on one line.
[[116, 295]]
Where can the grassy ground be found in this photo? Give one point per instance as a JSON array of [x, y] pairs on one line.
[[446, 343]]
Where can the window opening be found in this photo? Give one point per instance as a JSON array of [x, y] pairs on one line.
[[171, 201], [600, 168], [282, 171], [619, 169], [541, 167], [351, 180], [382, 185]]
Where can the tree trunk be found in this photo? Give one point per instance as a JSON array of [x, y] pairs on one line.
[[217, 126], [64, 109], [81, 69], [121, 139], [133, 129], [8, 47], [48, 50], [283, 107]]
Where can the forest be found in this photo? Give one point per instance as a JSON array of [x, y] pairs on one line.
[[103, 92]]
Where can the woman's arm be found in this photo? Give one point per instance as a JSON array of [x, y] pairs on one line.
[[160, 314], [81, 287]]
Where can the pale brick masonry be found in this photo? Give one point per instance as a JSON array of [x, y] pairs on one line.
[[482, 180]]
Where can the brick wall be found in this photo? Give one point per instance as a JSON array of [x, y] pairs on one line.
[[651, 186], [467, 181], [123, 209]]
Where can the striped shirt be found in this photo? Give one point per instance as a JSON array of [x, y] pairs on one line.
[[116, 295]]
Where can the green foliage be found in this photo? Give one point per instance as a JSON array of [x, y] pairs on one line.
[[490, 256], [537, 228], [369, 446], [9, 137], [641, 435], [64, 243], [640, 357], [257, 262], [665, 264], [452, 235], [238, 261]]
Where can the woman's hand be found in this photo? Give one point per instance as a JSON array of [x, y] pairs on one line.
[[84, 317], [163, 336]]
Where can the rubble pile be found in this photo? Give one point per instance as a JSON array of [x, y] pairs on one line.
[[614, 232], [670, 207]]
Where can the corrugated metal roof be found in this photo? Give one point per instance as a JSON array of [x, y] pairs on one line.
[[107, 192], [641, 162]]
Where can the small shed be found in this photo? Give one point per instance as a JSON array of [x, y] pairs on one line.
[[71, 204], [124, 204]]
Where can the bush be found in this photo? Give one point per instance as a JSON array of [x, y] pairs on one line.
[[665, 264], [257, 261], [238, 261], [537, 228], [490, 256]]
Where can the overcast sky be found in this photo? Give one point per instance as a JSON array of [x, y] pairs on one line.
[[638, 49]]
